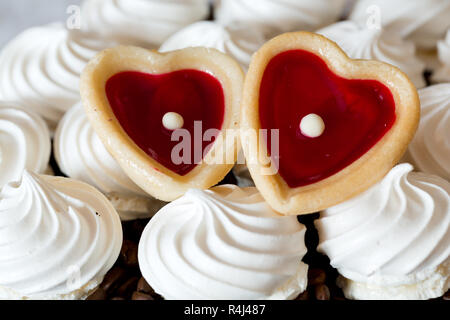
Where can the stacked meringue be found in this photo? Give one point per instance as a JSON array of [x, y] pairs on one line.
[[424, 22], [430, 149], [24, 143], [223, 243], [393, 241], [141, 22], [273, 17], [40, 69], [361, 42], [239, 44], [443, 74], [241, 28], [58, 238]]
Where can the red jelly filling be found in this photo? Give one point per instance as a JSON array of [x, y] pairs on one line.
[[356, 113], [140, 101]]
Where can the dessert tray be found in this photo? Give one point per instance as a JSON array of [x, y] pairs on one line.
[[228, 150]]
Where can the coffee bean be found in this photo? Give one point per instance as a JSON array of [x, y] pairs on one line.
[[132, 230], [138, 226], [113, 279], [322, 292], [127, 288], [129, 254], [303, 296], [446, 295], [316, 277], [144, 287], [99, 294], [141, 296]]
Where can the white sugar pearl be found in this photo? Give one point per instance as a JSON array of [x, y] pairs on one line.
[[172, 121], [312, 125]]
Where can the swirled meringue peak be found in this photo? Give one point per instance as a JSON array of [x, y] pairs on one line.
[[81, 155], [442, 74], [361, 42], [239, 44], [393, 241], [223, 243], [58, 238], [145, 23], [429, 151], [24, 143], [422, 21], [41, 68], [273, 17]]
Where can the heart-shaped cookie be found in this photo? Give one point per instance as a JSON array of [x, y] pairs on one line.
[[166, 118], [328, 127]]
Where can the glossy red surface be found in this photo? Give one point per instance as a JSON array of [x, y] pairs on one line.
[[140, 100], [356, 113]]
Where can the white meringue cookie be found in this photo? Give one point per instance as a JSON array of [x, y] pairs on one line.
[[41, 67], [24, 143], [361, 42], [239, 44], [58, 238], [422, 21], [141, 22], [393, 241], [81, 155], [442, 74], [429, 151], [273, 17], [223, 243]]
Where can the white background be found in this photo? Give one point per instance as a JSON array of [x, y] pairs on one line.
[[17, 15]]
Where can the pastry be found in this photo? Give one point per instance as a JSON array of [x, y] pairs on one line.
[[422, 21], [41, 67], [24, 143], [430, 149], [393, 241], [170, 120], [81, 155], [145, 23], [272, 17], [58, 238], [442, 73], [360, 42], [239, 44], [223, 243], [337, 125]]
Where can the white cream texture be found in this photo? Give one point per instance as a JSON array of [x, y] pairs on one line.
[[58, 238], [362, 42], [239, 44], [41, 68], [393, 241], [273, 17], [429, 151], [442, 73], [81, 155], [145, 23], [422, 21], [24, 143], [223, 243]]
